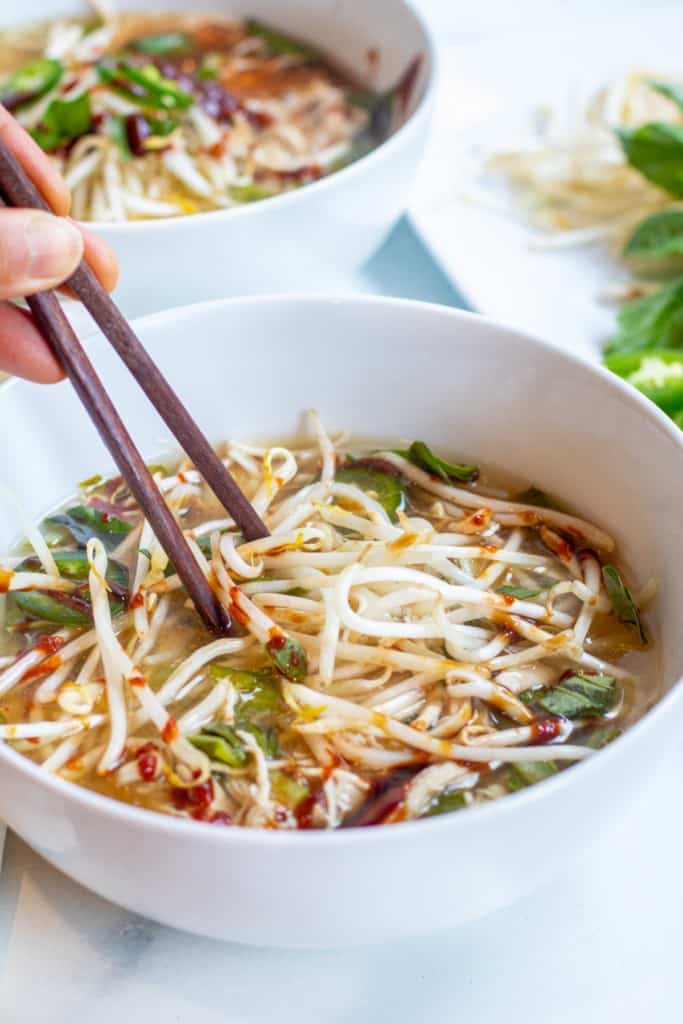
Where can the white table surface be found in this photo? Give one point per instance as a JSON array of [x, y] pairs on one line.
[[600, 944]]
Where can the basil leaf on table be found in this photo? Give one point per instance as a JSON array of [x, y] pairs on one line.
[[623, 604], [656, 150], [655, 321], [672, 92], [659, 235]]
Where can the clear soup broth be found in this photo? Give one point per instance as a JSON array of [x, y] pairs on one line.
[[416, 636]]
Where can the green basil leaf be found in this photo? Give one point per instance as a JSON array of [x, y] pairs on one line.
[[659, 235], [535, 496], [289, 657], [522, 593], [249, 193], [385, 488], [420, 455], [578, 696], [672, 92], [622, 602], [527, 773], [446, 802], [287, 789], [279, 44], [163, 43], [600, 737], [84, 522], [655, 321], [259, 690], [656, 150], [265, 737], [30, 82], [63, 120]]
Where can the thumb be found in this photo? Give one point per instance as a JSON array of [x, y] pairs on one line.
[[37, 251]]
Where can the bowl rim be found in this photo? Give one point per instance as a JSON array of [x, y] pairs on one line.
[[419, 114], [116, 811]]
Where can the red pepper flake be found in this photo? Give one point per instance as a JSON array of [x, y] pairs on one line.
[[304, 811], [170, 731], [147, 759], [50, 644], [277, 639], [49, 665], [219, 818], [137, 679], [507, 598], [137, 600], [5, 580], [197, 799], [235, 609], [545, 729]]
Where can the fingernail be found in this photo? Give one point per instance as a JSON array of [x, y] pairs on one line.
[[54, 247]]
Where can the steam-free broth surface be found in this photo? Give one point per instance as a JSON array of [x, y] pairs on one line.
[[416, 636]]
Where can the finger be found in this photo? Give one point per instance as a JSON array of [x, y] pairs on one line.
[[100, 257], [44, 176], [22, 349], [37, 251]]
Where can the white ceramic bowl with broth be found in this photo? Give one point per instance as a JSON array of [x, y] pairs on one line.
[[390, 369], [276, 244]]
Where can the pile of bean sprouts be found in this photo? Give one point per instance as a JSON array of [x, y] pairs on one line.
[[415, 659], [271, 143], [573, 177]]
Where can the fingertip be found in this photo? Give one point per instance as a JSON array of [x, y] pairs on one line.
[[100, 257], [23, 350]]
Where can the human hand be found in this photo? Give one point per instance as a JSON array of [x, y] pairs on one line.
[[38, 251]]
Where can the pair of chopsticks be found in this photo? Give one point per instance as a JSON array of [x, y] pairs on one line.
[[16, 189]]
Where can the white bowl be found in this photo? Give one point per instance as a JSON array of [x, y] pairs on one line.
[[388, 368], [278, 244]]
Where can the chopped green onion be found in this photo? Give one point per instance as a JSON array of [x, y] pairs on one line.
[[279, 44], [287, 789], [527, 773], [163, 43], [446, 802], [249, 193], [522, 593]]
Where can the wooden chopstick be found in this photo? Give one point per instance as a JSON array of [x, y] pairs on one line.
[[59, 334], [19, 190]]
